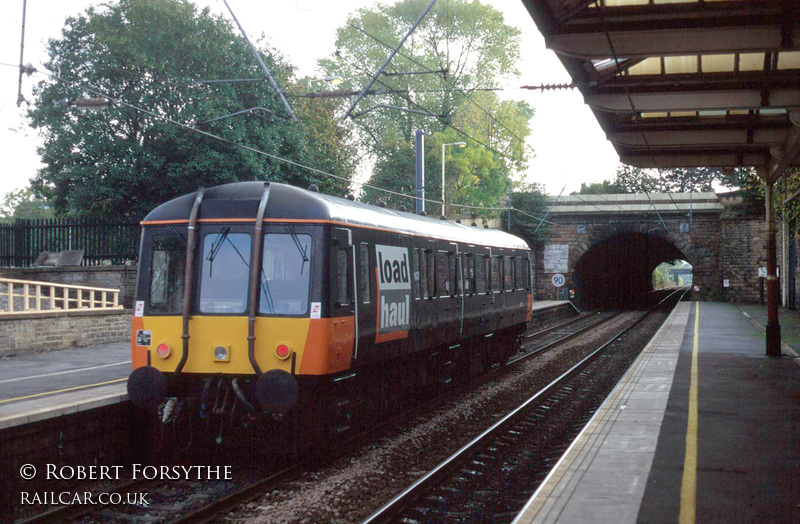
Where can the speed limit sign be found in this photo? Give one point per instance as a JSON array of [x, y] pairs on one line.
[[558, 280]]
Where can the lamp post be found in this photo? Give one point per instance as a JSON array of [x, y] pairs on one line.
[[459, 144]]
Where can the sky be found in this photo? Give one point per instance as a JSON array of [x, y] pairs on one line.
[[569, 145]]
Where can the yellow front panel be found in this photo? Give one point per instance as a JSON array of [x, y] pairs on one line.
[[208, 332]]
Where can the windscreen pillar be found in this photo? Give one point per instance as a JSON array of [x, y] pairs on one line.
[[773, 324]]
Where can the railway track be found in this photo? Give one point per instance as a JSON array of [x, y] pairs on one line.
[[223, 501], [490, 478], [536, 344]]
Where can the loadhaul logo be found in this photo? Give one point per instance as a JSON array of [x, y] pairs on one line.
[[394, 293]]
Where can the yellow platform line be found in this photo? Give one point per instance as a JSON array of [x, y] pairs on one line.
[[689, 481], [36, 395]]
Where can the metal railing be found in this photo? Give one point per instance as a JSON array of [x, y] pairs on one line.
[[28, 296], [101, 241]]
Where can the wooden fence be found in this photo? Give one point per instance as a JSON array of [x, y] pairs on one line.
[[22, 241], [27, 296]]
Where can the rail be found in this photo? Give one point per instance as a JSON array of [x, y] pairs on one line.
[[28, 296], [516, 428]]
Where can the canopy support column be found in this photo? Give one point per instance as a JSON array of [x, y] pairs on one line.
[[773, 324]]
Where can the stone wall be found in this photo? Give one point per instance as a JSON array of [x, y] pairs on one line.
[[52, 331], [718, 248], [578, 234], [114, 277], [743, 251]]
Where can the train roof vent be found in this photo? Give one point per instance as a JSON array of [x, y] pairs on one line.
[[314, 188]]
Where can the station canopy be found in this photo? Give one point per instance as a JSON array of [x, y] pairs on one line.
[[685, 83]]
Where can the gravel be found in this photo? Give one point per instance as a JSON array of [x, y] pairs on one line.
[[355, 486]]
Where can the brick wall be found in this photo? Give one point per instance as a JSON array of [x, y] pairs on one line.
[[114, 277], [39, 332], [699, 246], [718, 248], [743, 251]]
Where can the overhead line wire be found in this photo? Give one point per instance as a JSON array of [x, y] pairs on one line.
[[187, 127], [456, 88], [439, 118]]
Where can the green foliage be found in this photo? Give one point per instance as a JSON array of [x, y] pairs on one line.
[[528, 222], [662, 277], [681, 180], [750, 189], [465, 48], [467, 40], [23, 203], [120, 161], [635, 179], [631, 179], [600, 188]]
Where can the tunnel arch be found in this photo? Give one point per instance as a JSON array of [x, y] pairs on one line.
[[615, 271]]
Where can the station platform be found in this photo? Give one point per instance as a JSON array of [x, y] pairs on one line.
[[37, 386], [704, 427]]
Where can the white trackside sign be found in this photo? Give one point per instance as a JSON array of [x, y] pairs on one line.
[[394, 289]]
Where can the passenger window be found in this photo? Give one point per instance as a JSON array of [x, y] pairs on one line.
[[442, 274], [508, 273], [480, 274], [342, 275], [225, 272], [363, 256], [453, 274], [468, 263], [496, 273], [426, 282], [430, 271], [519, 274]]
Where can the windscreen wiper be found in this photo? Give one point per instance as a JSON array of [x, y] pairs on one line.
[[215, 247], [299, 246]]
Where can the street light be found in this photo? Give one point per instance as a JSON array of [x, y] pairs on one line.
[[459, 144]]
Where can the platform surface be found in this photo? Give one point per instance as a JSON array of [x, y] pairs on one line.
[[636, 462], [34, 386]]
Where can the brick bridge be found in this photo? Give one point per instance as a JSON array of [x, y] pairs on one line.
[[607, 247]]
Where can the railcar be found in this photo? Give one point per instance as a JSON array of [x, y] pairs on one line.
[[267, 298]]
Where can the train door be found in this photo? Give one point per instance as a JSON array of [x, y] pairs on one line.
[[344, 320], [366, 304], [458, 282], [489, 265]]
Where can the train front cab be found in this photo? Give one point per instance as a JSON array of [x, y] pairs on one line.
[[291, 335]]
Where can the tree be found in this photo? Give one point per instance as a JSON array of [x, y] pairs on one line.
[[23, 203], [458, 47], [528, 219], [147, 55], [600, 188], [635, 179], [440, 82]]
